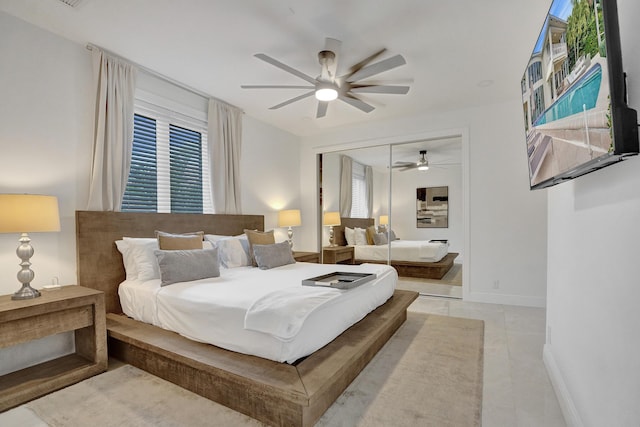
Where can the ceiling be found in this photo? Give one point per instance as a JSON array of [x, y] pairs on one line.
[[459, 53]]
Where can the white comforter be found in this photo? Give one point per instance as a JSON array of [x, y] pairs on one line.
[[229, 311], [404, 250]]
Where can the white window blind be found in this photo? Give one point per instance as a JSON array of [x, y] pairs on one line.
[[358, 191], [170, 148]]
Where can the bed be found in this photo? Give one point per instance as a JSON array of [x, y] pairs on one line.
[[275, 393], [426, 260]]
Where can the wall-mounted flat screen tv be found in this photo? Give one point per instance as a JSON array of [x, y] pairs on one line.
[[574, 94]]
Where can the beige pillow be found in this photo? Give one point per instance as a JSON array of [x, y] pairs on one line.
[[184, 241], [371, 231], [258, 238]]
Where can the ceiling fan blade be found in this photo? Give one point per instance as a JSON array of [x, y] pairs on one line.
[[322, 109], [297, 98], [394, 90], [275, 87], [377, 68], [402, 164], [334, 46], [357, 67], [355, 102], [408, 168], [285, 67]]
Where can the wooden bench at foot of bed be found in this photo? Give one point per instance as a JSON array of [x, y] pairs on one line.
[[423, 270], [274, 393]]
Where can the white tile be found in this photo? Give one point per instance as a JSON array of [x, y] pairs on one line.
[[20, 417]]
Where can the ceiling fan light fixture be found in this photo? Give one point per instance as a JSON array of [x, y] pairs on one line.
[[423, 167], [326, 92]]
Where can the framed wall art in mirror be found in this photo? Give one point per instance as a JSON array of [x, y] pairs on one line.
[[432, 207]]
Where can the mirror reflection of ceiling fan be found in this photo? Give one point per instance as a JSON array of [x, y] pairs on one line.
[[328, 86], [422, 164]]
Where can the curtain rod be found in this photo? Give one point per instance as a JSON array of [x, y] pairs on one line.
[[90, 47]]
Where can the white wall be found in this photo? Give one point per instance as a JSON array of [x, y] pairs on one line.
[[593, 274], [506, 233], [45, 140], [46, 126], [270, 175]]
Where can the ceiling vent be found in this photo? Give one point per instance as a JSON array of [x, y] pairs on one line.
[[72, 3]]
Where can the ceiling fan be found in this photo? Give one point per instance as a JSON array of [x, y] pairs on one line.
[[422, 164], [328, 86]]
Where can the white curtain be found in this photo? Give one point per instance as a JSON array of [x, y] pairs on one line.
[[225, 141], [115, 81], [368, 180], [345, 186]]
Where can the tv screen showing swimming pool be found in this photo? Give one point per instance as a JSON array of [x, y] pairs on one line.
[[574, 94]]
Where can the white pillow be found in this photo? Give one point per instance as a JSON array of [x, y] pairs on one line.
[[349, 235], [127, 260], [215, 237], [361, 236], [142, 251], [233, 252]]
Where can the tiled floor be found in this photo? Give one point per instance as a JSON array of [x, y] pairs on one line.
[[517, 391]]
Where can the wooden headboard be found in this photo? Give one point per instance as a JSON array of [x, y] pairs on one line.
[[338, 230], [99, 262]]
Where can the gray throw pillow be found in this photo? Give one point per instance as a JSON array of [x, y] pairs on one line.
[[380, 239], [270, 256], [187, 265]]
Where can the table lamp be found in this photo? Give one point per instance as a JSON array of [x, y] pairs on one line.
[[330, 219], [384, 221], [289, 218], [22, 213]]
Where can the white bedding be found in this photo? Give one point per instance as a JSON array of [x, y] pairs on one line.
[[403, 250], [215, 310]]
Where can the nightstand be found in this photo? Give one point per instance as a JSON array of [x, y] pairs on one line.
[[69, 308], [337, 255], [306, 256]]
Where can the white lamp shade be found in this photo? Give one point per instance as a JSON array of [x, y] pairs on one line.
[[289, 218], [331, 218], [28, 213], [384, 219]]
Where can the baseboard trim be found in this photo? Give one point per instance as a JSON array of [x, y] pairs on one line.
[[492, 298], [569, 411]]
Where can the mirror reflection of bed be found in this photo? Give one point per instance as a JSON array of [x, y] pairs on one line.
[[394, 198], [423, 266]]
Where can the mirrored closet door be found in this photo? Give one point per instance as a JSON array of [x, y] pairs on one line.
[[407, 197], [426, 200], [355, 190]]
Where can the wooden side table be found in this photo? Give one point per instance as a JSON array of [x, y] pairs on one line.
[[338, 255], [69, 308], [306, 256]]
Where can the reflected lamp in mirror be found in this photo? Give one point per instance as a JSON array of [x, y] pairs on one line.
[[289, 218], [24, 213], [330, 219], [384, 221]]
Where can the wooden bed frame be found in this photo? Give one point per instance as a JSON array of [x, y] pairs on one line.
[[423, 270], [274, 393]]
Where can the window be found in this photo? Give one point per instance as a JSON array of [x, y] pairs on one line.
[[169, 164], [535, 72], [358, 192]]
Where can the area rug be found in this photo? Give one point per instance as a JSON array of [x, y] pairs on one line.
[[429, 374]]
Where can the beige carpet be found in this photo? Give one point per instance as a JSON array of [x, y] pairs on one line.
[[428, 374]]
